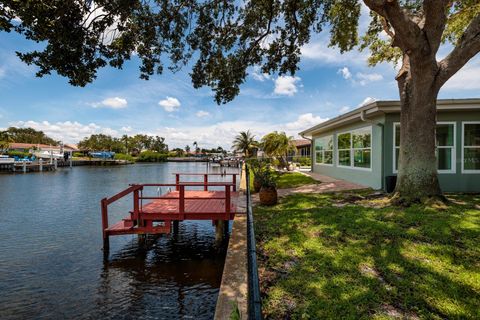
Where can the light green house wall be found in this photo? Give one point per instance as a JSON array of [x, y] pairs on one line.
[[372, 177], [383, 150], [454, 182]]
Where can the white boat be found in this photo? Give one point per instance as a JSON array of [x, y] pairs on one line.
[[6, 160], [48, 155]]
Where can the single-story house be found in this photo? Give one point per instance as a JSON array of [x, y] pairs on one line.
[[28, 147], [302, 147], [375, 129]]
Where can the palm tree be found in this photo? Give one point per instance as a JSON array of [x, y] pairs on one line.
[[277, 144], [245, 142], [196, 147], [187, 149]]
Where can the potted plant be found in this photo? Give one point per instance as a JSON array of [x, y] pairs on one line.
[[256, 166], [268, 191]]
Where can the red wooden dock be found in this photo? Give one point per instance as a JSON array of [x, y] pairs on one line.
[[157, 214]]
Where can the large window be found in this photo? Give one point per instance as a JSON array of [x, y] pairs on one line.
[[355, 148], [324, 150], [471, 147], [445, 147]]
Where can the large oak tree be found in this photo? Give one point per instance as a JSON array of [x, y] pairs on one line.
[[224, 38]]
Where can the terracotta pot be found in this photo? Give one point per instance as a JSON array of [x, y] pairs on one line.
[[257, 184], [268, 196]]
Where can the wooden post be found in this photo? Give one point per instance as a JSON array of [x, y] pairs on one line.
[[219, 231], [175, 227], [106, 242], [234, 178], [177, 182], [181, 205], [40, 165], [24, 167], [205, 182], [136, 209], [55, 161], [227, 199]]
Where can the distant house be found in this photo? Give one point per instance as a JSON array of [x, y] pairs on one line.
[[27, 147], [303, 147], [375, 128]]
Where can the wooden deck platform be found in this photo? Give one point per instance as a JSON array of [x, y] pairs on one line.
[[154, 215]]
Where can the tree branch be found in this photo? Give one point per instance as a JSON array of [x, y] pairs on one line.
[[408, 35], [435, 20], [467, 47]]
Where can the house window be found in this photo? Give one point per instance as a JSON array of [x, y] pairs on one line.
[[324, 150], [471, 147], [362, 147], [445, 146], [355, 148]]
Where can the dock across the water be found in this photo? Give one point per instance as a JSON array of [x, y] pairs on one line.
[[216, 201]]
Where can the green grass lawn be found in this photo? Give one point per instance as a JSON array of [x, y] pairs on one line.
[[322, 257], [294, 179], [289, 180]]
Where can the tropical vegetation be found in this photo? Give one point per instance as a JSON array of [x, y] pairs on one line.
[[228, 38], [132, 145], [26, 135], [152, 156], [349, 256], [245, 143], [279, 145]]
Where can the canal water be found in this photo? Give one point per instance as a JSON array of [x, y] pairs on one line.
[[52, 265]]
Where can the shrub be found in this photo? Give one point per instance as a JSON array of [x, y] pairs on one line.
[[123, 156], [303, 161], [152, 156], [19, 154], [78, 154]]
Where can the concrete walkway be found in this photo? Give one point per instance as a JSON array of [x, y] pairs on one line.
[[327, 184]]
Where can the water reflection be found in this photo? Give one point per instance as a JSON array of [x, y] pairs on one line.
[[168, 277]]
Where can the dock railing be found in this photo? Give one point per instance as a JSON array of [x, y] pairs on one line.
[[137, 190], [254, 299]]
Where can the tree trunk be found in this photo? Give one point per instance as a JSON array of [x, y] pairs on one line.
[[417, 178]]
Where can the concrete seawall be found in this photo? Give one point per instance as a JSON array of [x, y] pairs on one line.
[[234, 287]]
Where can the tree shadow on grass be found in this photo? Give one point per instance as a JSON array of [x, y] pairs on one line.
[[354, 262]]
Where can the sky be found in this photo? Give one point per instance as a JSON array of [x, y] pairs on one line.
[[118, 102]]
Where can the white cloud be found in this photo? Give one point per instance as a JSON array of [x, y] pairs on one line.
[[286, 85], [2, 72], [112, 103], [344, 109], [170, 104], [68, 131], [305, 121], [126, 129], [223, 133], [365, 78], [345, 72], [465, 79], [258, 75], [202, 114], [360, 78], [366, 101]]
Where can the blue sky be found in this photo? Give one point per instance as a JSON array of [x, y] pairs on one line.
[[118, 102]]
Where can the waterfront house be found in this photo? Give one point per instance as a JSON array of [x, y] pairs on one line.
[[302, 147], [362, 146]]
